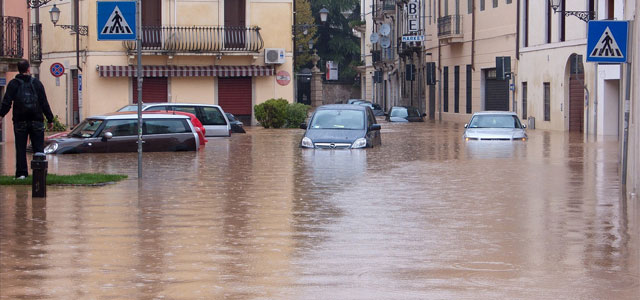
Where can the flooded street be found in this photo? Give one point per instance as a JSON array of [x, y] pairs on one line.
[[425, 216]]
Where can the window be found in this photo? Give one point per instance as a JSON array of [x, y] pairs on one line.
[[524, 101], [469, 87], [446, 7], [525, 23], [610, 9], [445, 87], [164, 126], [457, 7], [470, 6], [563, 26], [121, 127], [548, 15], [187, 109], [508, 1], [456, 89], [211, 116], [155, 108], [481, 5], [495, 3], [547, 101]]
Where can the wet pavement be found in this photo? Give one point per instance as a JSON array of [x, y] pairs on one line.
[[425, 216]]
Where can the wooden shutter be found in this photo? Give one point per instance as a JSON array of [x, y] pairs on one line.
[[234, 95], [445, 89], [154, 89]]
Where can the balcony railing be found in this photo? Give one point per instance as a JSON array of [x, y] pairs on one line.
[[36, 43], [382, 7], [450, 27], [11, 37], [198, 39]]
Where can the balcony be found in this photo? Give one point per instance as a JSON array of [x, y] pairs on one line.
[[450, 29], [35, 30], [11, 47], [383, 8], [198, 40]]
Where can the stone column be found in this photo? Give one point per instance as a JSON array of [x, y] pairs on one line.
[[316, 82]]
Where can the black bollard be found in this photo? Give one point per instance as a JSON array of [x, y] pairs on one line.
[[39, 166]]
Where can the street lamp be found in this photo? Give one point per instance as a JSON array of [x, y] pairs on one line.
[[324, 13], [584, 15], [54, 13]]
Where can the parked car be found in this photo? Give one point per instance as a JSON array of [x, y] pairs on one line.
[[355, 101], [341, 126], [197, 125], [118, 132], [495, 125], [236, 125], [404, 114], [211, 116], [375, 107]]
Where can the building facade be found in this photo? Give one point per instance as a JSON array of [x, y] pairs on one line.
[[209, 52], [14, 45]]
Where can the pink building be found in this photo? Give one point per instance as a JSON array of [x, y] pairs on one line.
[[14, 45]]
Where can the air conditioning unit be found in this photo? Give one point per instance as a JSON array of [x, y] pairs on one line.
[[274, 56]]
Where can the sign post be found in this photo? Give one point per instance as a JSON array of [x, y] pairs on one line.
[[121, 21]]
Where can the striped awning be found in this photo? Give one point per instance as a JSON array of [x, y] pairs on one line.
[[186, 71]]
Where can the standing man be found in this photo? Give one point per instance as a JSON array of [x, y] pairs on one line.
[[29, 105]]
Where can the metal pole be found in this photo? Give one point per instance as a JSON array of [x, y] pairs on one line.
[[627, 104], [139, 75]]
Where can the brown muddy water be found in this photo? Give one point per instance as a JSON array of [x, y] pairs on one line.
[[425, 216]]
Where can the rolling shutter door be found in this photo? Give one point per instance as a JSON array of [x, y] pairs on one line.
[[496, 94], [576, 102], [234, 95], [76, 100], [154, 89]]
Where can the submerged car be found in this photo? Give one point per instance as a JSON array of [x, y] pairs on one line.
[[236, 125], [119, 133], [495, 126], [377, 110], [405, 114], [211, 116], [341, 126]]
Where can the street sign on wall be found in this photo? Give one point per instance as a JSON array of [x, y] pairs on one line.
[[116, 20], [56, 69], [607, 41]]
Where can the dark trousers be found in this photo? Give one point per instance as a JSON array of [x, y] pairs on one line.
[[23, 131]]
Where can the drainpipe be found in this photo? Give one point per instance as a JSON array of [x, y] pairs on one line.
[[76, 14], [595, 104], [586, 103], [440, 67], [517, 30]]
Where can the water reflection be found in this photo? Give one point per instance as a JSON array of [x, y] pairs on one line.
[[424, 216]]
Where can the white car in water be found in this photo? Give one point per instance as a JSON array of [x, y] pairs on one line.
[[495, 126]]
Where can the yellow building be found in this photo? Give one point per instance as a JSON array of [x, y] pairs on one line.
[[192, 51]]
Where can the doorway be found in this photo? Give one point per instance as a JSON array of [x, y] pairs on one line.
[[611, 108], [576, 94], [234, 24]]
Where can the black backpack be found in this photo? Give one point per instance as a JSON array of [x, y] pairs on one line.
[[26, 102]]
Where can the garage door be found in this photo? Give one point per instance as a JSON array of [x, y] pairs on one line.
[[234, 95], [154, 89], [496, 92]]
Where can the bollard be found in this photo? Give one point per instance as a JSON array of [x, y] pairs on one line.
[[39, 166]]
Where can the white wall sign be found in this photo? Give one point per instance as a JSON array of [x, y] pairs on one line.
[[413, 16]]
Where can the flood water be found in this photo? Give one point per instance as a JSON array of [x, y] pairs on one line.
[[425, 216]]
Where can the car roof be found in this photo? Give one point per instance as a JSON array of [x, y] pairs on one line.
[[342, 106], [134, 115], [496, 112], [178, 104]]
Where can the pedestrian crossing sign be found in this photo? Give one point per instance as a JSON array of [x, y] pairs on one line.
[[116, 20], [607, 41]]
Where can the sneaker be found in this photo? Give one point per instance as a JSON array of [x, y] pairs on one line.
[[21, 177]]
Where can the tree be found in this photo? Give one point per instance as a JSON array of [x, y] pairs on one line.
[[336, 40], [305, 31]]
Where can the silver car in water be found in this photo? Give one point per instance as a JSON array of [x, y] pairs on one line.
[[495, 126]]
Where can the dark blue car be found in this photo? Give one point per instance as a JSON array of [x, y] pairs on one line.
[[341, 126]]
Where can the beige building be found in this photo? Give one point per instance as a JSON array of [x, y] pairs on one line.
[[192, 51], [14, 45], [464, 38]]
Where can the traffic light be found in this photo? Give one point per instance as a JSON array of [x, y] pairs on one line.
[[503, 67], [431, 73]]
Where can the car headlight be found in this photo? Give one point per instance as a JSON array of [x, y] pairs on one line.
[[306, 143], [359, 143], [51, 148]]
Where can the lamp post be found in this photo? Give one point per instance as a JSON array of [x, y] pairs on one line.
[[584, 15], [54, 14], [304, 28]]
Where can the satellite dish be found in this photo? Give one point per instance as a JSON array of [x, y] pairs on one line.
[[374, 37], [385, 42], [385, 29]]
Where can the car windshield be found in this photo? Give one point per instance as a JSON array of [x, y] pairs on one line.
[[338, 119], [399, 112], [495, 121], [129, 108], [86, 129]]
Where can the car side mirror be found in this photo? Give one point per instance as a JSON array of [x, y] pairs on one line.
[[466, 125], [107, 136], [375, 127], [424, 114], [524, 126], [303, 126]]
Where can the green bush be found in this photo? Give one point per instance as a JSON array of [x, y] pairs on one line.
[[272, 113], [57, 125], [278, 113], [296, 114]]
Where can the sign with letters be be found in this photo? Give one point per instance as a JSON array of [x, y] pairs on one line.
[[413, 16], [116, 20]]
